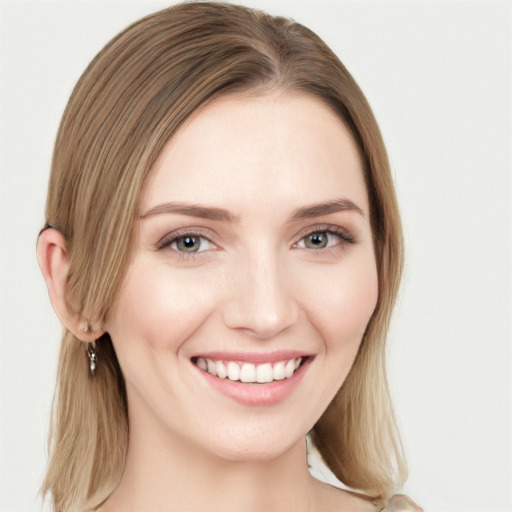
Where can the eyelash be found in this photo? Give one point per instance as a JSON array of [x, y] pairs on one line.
[[339, 232]]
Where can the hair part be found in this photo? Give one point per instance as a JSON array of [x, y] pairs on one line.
[[130, 100]]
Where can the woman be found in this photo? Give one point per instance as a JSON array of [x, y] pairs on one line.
[[223, 247]]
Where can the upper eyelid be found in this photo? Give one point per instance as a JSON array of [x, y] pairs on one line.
[[325, 228]]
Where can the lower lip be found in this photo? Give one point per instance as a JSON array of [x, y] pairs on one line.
[[254, 394]]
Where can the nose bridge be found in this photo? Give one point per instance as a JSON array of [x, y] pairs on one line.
[[261, 301]]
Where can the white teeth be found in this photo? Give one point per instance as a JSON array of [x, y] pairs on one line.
[[233, 371], [211, 367], [264, 373], [279, 371], [221, 370], [289, 368], [249, 373]]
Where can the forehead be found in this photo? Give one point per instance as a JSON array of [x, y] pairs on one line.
[[239, 150]]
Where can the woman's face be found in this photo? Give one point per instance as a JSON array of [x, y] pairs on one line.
[[252, 280]]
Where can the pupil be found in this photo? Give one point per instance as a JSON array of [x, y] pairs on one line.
[[318, 240], [188, 243]]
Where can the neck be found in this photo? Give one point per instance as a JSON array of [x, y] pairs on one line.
[[166, 473]]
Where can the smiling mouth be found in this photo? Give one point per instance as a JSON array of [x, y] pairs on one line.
[[248, 372]]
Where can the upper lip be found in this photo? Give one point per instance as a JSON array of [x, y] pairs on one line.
[[253, 357]]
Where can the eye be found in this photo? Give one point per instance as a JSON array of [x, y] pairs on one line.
[[316, 241], [185, 243], [324, 239], [191, 243]]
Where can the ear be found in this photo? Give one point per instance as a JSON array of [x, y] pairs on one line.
[[53, 261]]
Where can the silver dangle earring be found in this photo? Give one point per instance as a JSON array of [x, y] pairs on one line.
[[91, 353]]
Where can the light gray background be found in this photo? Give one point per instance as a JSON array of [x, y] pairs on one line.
[[437, 74]]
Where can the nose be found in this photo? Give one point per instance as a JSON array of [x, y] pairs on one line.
[[260, 298]]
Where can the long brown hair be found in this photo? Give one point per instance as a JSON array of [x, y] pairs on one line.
[[130, 100]]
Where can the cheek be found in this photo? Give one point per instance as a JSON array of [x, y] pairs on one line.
[[343, 304], [158, 310]]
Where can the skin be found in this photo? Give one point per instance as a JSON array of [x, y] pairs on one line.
[[256, 284]]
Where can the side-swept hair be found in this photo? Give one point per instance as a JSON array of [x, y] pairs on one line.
[[131, 99]]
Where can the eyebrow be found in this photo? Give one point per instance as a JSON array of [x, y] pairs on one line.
[[193, 210], [221, 214], [325, 208]]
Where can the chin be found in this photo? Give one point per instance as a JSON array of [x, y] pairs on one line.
[[256, 445]]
